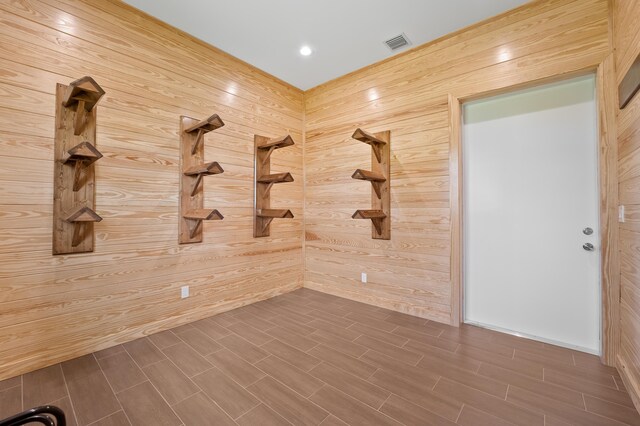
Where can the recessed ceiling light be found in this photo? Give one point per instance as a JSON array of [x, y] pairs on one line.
[[305, 51]]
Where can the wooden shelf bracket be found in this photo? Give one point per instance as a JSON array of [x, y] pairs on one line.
[[380, 178], [264, 181], [193, 167], [75, 153]]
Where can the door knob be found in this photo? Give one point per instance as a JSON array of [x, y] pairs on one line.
[[587, 231], [588, 247]]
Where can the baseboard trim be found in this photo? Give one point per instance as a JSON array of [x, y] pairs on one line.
[[632, 385]]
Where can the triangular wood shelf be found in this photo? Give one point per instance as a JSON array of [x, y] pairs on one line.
[[276, 178], [277, 143], [379, 176], [212, 168], [195, 218], [194, 168], [275, 213], [376, 179], [376, 216], [85, 152], [82, 214], [84, 90]]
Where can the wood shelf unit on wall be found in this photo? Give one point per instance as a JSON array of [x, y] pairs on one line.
[[193, 169], [264, 181], [380, 178], [75, 153]]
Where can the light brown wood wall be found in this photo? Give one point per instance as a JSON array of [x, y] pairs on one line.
[[626, 41], [408, 95], [57, 307]]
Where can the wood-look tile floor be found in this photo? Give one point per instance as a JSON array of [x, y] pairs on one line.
[[307, 358]]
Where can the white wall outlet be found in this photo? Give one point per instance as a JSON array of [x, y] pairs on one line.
[[621, 213], [184, 291], [363, 277]]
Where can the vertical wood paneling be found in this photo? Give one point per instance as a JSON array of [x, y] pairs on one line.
[[626, 39], [415, 272], [56, 308]]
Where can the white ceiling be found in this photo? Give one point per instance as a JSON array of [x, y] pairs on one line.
[[345, 35]]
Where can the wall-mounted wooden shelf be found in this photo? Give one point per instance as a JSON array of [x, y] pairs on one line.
[[380, 178], [264, 181], [193, 169], [75, 153]]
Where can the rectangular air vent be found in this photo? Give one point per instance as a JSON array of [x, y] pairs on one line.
[[397, 42]]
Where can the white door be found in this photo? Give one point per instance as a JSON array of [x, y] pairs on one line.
[[530, 190]]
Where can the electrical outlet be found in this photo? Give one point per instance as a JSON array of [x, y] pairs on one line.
[[184, 291], [621, 214], [363, 277]]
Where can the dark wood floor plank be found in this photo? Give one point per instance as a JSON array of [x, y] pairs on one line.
[[353, 386], [410, 414], [115, 419], [419, 393], [467, 339], [187, 359], [337, 330], [296, 379], [533, 385], [198, 410], [372, 321], [144, 352], [254, 321], [332, 420], [483, 401], [224, 319], [451, 371], [89, 390], [243, 348], [250, 333], [518, 365], [199, 341], [164, 339], [583, 374], [289, 323], [348, 409], [235, 367], [400, 354], [109, 351], [263, 416], [335, 342], [143, 405], [292, 339], [329, 317], [473, 417], [293, 356], [287, 403], [10, 402], [170, 381], [552, 407], [588, 388], [431, 353], [212, 329], [65, 405], [391, 338], [229, 395], [426, 339], [10, 383], [121, 371], [341, 360], [43, 386], [613, 411]]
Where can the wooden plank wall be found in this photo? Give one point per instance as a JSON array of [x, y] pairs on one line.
[[409, 96], [55, 308], [626, 41]]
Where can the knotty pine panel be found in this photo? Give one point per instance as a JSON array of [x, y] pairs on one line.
[[408, 95], [626, 40], [57, 308]]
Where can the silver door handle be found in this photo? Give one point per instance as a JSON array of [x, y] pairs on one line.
[[588, 247]]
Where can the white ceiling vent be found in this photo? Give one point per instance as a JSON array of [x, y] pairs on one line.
[[398, 42]]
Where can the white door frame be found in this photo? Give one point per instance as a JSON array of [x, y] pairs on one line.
[[608, 185]]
